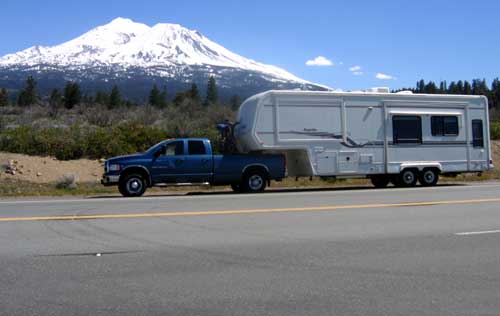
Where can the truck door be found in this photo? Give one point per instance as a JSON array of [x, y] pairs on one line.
[[199, 162], [170, 164]]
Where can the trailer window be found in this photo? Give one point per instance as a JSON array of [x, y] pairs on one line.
[[407, 129], [477, 133], [444, 125], [196, 147]]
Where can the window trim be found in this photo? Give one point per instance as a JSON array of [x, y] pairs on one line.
[[442, 128], [398, 141]]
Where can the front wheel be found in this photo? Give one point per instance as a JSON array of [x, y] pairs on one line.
[[254, 182], [132, 185]]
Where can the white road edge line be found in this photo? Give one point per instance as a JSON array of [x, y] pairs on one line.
[[270, 194], [479, 232]]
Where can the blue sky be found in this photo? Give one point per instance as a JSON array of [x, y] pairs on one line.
[[402, 41]]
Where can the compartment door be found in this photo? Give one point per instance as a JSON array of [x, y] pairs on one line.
[[348, 161], [326, 163]]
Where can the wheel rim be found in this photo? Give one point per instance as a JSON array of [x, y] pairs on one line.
[[255, 182], [408, 177], [429, 176], [134, 185]]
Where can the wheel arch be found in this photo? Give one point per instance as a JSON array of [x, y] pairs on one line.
[[143, 171]]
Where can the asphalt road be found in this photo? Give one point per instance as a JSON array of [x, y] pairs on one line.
[[422, 251]]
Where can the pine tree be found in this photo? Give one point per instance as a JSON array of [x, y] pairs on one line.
[[101, 98], [467, 87], [55, 99], [28, 95], [72, 95], [194, 93], [163, 98], [4, 97], [212, 96], [115, 98], [235, 102], [421, 86], [443, 87], [154, 96]]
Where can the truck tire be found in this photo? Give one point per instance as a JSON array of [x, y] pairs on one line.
[[254, 182], [380, 181], [428, 177], [132, 185], [407, 178]]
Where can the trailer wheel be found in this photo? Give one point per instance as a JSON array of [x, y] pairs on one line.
[[407, 178], [254, 181], [429, 177], [132, 185], [380, 181]]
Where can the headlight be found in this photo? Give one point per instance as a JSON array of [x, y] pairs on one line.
[[114, 167]]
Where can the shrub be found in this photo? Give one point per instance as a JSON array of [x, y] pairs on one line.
[[495, 130], [67, 181]]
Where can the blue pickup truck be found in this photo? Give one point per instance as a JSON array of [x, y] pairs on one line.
[[191, 161]]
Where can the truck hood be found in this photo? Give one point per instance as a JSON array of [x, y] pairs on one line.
[[125, 158]]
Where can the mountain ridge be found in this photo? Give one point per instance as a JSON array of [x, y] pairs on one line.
[[124, 49]]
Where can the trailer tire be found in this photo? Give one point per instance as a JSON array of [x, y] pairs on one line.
[[380, 181], [132, 185], [254, 181], [429, 177], [407, 178]]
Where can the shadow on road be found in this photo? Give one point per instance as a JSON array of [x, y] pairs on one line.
[[269, 191]]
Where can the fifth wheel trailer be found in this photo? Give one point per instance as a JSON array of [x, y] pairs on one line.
[[387, 137]]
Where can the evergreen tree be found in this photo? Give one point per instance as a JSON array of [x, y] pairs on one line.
[[421, 86], [4, 97], [163, 98], [194, 93], [467, 87], [154, 96], [115, 98], [495, 90], [443, 87], [460, 87], [235, 102], [101, 98], [28, 96], [55, 99], [212, 96], [452, 89], [72, 95], [430, 88]]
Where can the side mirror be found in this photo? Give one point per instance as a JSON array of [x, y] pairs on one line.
[[160, 151]]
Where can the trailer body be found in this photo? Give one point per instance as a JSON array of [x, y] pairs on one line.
[[360, 134]]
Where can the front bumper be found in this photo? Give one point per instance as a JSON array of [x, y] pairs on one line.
[[108, 180]]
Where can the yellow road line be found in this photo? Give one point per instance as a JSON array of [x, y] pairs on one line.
[[228, 212]]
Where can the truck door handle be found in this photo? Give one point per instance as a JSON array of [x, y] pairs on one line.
[[205, 160], [179, 161]]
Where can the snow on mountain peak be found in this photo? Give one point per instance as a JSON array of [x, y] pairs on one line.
[[123, 42]]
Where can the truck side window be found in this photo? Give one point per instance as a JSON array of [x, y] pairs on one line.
[[175, 149], [196, 147], [444, 125], [407, 129], [477, 133]]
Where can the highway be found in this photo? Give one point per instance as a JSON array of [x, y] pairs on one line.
[[356, 251]]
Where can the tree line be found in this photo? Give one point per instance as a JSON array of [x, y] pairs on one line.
[[72, 95], [464, 87]]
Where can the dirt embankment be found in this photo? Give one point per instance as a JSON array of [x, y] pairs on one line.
[[48, 169]]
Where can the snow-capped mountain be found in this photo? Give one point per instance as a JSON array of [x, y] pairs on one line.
[[124, 50]]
